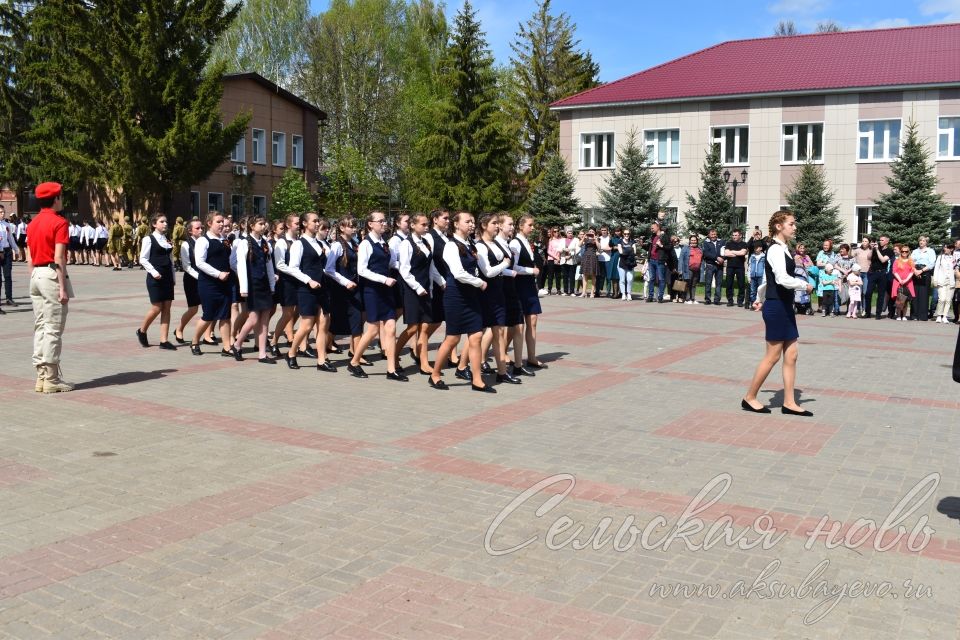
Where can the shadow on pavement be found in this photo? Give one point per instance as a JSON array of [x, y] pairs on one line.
[[776, 400], [127, 377]]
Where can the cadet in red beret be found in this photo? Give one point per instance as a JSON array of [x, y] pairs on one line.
[[50, 289]]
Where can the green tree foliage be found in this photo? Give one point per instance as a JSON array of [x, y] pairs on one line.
[[352, 187], [14, 106], [912, 207], [266, 38], [811, 202], [291, 195], [546, 66], [552, 201], [466, 161], [710, 209], [632, 195]]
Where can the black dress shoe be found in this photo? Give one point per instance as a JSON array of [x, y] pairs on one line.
[[426, 373], [729, 304], [363, 362], [142, 337], [195, 350], [536, 365], [266, 361], [484, 389], [275, 351], [179, 338], [208, 342], [237, 355], [791, 412], [166, 346], [397, 375], [746, 407], [335, 349], [439, 384], [228, 353], [509, 379], [216, 340], [327, 366], [522, 371], [357, 371], [310, 353], [464, 374], [486, 368], [292, 362]]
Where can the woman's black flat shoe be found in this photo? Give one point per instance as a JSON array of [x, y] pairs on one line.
[[440, 384], [167, 346], [484, 389], [236, 354], [791, 412], [536, 365], [292, 362], [142, 337], [746, 407], [326, 366], [266, 361], [195, 350], [208, 342], [179, 338]]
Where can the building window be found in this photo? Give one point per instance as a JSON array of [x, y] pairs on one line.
[[864, 221], [236, 206], [259, 205], [259, 147], [663, 147], [215, 202], [948, 134], [239, 153], [296, 160], [955, 222], [279, 149], [734, 144], [195, 204], [879, 140], [739, 221], [596, 151], [802, 142]]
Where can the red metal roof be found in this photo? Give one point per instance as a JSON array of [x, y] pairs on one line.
[[927, 55]]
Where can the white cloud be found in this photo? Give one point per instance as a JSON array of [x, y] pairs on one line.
[[798, 7], [944, 10], [885, 23]]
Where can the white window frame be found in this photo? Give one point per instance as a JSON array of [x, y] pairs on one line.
[[215, 193], [254, 206], [795, 137], [259, 158], [580, 148], [886, 141], [278, 159], [722, 141], [651, 158], [950, 133], [296, 152], [198, 213], [856, 222], [239, 152]]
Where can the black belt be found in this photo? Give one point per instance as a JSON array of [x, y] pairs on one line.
[[52, 265]]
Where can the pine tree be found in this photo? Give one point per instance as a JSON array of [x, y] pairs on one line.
[[811, 202], [291, 195], [912, 208], [711, 208], [552, 201], [632, 195], [466, 162]]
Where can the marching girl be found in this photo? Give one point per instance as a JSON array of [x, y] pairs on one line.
[[155, 258], [437, 240], [346, 305], [276, 232], [464, 315], [286, 288], [373, 265], [190, 292], [400, 233], [325, 340], [526, 282], [100, 233], [238, 306], [255, 272], [495, 269], [514, 315], [419, 276], [307, 261], [212, 261]]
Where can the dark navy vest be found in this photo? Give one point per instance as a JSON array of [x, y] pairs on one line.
[[468, 260], [420, 263], [312, 263], [159, 257], [379, 258], [189, 261], [525, 259], [774, 290], [439, 242], [349, 270], [257, 255], [218, 257]]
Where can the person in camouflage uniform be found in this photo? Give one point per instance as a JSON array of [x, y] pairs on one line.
[[141, 232], [115, 242], [178, 235], [128, 241]]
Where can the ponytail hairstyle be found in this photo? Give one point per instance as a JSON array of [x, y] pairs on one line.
[[305, 217], [279, 227], [324, 225], [210, 217], [413, 219], [288, 221], [523, 220], [778, 217], [462, 249], [345, 241]]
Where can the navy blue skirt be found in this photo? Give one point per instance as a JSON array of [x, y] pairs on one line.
[[234, 282], [437, 311], [311, 302], [160, 290], [780, 321], [397, 289], [493, 304], [514, 314], [214, 299], [416, 309], [528, 295], [379, 301], [462, 308], [191, 291], [346, 311], [259, 297]]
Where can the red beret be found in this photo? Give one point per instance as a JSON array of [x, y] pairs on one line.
[[48, 190]]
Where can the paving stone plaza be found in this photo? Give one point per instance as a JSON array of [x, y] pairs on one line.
[[173, 496]]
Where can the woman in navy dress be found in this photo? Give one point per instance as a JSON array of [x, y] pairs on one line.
[[190, 292], [212, 261], [346, 306], [437, 240], [256, 277], [419, 279], [514, 328], [373, 266], [464, 312], [155, 258], [401, 232], [526, 280], [287, 284], [776, 294], [307, 261], [495, 263]]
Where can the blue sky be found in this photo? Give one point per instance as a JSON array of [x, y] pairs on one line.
[[626, 36]]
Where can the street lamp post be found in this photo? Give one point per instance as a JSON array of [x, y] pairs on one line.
[[734, 183]]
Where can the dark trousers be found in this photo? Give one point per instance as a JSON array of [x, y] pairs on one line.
[[826, 302], [601, 278], [713, 277], [920, 308], [879, 282], [692, 282], [6, 267], [568, 271], [738, 273], [550, 275]]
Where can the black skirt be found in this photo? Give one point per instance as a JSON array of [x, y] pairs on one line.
[[416, 309], [259, 297], [160, 290], [191, 291], [346, 311], [493, 304], [311, 302]]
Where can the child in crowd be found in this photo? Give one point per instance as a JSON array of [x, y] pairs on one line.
[[855, 283], [828, 284], [801, 298], [757, 270]]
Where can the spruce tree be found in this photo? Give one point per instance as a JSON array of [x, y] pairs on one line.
[[710, 209], [811, 202], [552, 201], [912, 208], [632, 195], [466, 162], [291, 195]]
